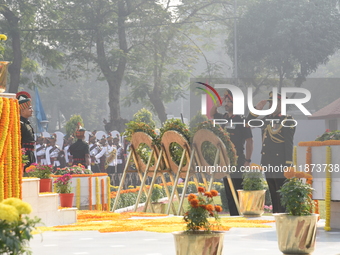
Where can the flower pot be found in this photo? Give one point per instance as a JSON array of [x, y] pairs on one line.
[[201, 243], [45, 185], [66, 199], [251, 202], [159, 207], [296, 234]]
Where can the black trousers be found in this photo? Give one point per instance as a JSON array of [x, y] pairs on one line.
[[237, 182], [274, 184]]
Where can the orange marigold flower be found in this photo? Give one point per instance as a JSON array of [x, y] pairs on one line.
[[194, 202], [214, 193], [208, 194], [211, 214], [218, 208], [300, 175], [289, 175], [202, 206], [209, 207], [191, 197], [201, 189]]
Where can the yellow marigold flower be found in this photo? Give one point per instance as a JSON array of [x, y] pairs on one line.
[[8, 213], [21, 206], [3, 37]]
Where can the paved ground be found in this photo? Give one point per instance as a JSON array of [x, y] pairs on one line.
[[237, 241]]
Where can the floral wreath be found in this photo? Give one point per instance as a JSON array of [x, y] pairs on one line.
[[224, 136], [176, 125], [133, 127]]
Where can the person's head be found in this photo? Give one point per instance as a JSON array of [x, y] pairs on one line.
[[110, 140], [228, 101], [24, 100], [52, 140], [40, 140], [278, 107], [116, 141], [80, 132], [92, 139], [103, 140]]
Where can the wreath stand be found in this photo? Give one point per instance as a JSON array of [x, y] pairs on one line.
[[142, 170], [205, 135]]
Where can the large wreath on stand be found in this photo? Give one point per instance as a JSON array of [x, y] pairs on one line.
[[209, 150], [175, 149]]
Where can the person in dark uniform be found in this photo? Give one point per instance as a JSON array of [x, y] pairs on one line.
[[240, 136], [80, 149], [27, 132], [277, 148]]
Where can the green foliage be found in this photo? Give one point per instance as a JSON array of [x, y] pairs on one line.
[[157, 193], [15, 236], [296, 196], [15, 229], [279, 39], [79, 169], [39, 171], [63, 184], [329, 135], [196, 120], [201, 207], [145, 116], [72, 125], [209, 150], [253, 180]]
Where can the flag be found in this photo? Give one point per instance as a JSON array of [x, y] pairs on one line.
[[39, 111]]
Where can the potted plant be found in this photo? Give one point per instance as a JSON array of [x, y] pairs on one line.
[[252, 197], [199, 237], [44, 173], [296, 229], [63, 187], [16, 229], [157, 193]]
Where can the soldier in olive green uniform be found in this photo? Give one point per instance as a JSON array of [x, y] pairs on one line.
[[277, 148]]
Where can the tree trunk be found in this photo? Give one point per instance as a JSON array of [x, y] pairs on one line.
[[15, 67], [157, 102], [114, 78]]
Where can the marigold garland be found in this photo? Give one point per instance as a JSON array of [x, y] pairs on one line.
[[10, 149], [90, 193], [108, 193], [102, 194], [78, 194], [328, 188], [320, 143], [122, 222], [98, 204]]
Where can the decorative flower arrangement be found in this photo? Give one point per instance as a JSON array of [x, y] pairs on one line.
[[296, 195], [254, 180], [329, 135], [16, 230], [224, 136], [157, 193], [201, 208], [24, 157], [63, 184], [39, 171], [75, 169]]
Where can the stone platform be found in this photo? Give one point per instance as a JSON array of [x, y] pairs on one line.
[[46, 205]]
